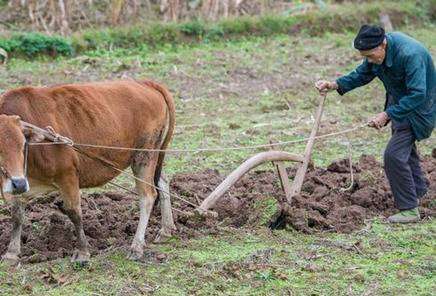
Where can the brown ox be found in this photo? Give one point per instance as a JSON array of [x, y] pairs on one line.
[[125, 114]]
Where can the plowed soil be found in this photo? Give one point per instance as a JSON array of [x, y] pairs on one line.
[[110, 218]]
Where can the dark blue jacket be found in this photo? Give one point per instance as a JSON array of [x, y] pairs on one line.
[[408, 75]]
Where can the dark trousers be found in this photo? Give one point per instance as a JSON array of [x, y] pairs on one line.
[[402, 168]]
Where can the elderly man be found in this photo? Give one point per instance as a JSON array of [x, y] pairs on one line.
[[408, 74]]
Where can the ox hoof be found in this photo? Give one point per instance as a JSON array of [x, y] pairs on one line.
[[163, 236], [80, 258], [136, 252], [10, 259]]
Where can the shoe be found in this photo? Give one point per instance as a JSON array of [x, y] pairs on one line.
[[405, 216], [422, 194]]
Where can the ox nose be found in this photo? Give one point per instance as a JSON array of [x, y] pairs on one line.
[[19, 185]]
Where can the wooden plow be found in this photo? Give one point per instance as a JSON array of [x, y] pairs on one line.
[[277, 157]]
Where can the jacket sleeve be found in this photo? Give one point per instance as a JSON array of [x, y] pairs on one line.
[[416, 89], [362, 75]]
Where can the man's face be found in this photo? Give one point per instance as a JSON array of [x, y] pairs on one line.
[[375, 55]]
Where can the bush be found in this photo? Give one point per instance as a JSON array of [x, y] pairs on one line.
[[194, 28], [273, 24], [238, 26], [215, 32], [162, 33], [34, 44]]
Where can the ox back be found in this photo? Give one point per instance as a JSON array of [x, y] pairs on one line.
[[123, 113]]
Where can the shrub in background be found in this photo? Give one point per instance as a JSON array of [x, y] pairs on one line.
[[35, 44]]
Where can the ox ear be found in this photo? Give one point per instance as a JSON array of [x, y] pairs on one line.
[[31, 135]]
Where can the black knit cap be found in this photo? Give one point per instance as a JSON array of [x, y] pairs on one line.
[[369, 37]]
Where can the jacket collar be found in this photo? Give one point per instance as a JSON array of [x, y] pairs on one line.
[[390, 51]]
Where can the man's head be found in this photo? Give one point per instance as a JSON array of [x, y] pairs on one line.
[[371, 43]]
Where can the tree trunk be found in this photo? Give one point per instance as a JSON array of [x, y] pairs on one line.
[[116, 7], [63, 18], [170, 9]]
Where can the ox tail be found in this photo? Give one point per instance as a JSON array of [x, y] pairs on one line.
[[170, 129]]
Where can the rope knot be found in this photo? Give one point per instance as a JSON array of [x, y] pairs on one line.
[[57, 138]]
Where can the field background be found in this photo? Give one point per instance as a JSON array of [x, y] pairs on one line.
[[250, 83]]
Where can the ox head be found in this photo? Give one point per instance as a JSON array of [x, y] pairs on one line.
[[12, 144]]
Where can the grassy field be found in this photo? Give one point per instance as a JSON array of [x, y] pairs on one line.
[[239, 93], [379, 260]]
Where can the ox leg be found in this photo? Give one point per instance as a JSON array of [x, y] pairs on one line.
[[167, 222], [14, 248], [71, 206], [143, 167]]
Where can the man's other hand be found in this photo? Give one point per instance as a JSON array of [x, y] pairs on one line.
[[324, 86], [379, 121]]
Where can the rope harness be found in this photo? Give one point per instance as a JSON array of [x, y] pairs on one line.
[[56, 139], [61, 140]]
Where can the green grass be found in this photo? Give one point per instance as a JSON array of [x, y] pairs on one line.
[[381, 260], [232, 93]]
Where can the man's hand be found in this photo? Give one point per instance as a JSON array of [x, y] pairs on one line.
[[379, 121], [324, 86]]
